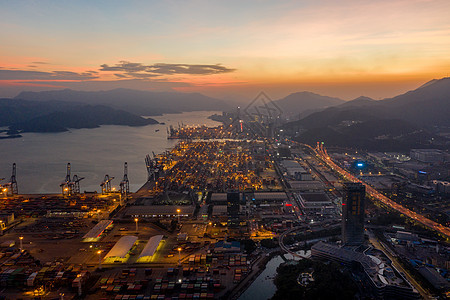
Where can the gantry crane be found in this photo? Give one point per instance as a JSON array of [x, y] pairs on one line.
[[125, 184], [70, 186], [106, 184], [152, 167], [11, 187]]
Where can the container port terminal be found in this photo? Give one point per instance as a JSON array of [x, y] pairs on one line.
[[183, 234]]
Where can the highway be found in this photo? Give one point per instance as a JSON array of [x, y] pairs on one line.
[[321, 152]]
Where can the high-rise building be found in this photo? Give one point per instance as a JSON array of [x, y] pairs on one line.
[[353, 214], [233, 201]]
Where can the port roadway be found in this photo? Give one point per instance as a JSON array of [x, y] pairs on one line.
[[283, 246], [379, 196]]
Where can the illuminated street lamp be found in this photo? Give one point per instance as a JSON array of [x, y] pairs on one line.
[[137, 227], [20, 240], [179, 256], [99, 252], [80, 290], [178, 213]]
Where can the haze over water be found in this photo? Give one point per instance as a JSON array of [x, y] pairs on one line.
[[41, 158]]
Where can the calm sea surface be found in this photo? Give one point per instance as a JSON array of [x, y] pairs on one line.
[[41, 158]]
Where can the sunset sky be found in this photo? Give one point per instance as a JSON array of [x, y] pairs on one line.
[[226, 49]]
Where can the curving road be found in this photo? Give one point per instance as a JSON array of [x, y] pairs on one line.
[[283, 246]]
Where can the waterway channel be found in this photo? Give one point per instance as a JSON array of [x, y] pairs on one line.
[[263, 287]]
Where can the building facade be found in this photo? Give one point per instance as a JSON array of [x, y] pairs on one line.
[[353, 214], [233, 207]]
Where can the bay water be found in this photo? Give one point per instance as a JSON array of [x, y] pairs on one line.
[[42, 158]]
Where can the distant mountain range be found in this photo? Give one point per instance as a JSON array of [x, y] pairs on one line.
[[57, 116], [408, 120], [143, 103], [300, 104]]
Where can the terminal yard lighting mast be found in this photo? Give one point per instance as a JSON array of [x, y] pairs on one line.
[[99, 252], [21, 244]]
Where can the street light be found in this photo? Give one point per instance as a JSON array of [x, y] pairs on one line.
[[80, 290], [178, 212], [179, 256], [136, 220], [20, 240], [99, 252]]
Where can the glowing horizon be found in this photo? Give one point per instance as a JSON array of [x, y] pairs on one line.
[[225, 49]]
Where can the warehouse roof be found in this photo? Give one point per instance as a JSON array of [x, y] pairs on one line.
[[270, 196], [159, 210], [151, 246], [219, 210], [315, 197], [219, 197], [98, 229], [122, 246]]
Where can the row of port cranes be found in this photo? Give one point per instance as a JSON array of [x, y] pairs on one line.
[[154, 168], [10, 188], [71, 185], [124, 184]]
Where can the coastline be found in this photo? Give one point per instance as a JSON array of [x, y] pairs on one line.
[[12, 136]]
